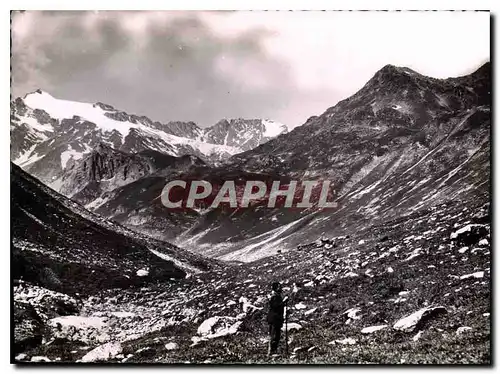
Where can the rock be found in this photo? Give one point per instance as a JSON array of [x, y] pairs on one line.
[[47, 303], [477, 249], [28, 327], [218, 326], [292, 326], [352, 314], [479, 274], [469, 234], [346, 341], [361, 242], [103, 352], [246, 307], [21, 357], [171, 346], [300, 306], [463, 329], [88, 330], [123, 314], [297, 350], [409, 323], [390, 270], [369, 330], [129, 356], [310, 311], [145, 352], [40, 359], [142, 272], [417, 336], [483, 242], [196, 340]]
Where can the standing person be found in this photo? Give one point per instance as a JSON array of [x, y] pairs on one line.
[[275, 317]]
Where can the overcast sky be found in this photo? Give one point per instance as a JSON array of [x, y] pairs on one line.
[[205, 66]]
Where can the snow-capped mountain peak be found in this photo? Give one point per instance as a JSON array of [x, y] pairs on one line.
[[65, 109], [48, 134], [273, 129]]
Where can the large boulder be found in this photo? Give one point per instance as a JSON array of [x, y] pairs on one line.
[[416, 319], [217, 326], [103, 352]]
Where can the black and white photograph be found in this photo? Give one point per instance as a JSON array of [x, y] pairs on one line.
[[210, 187]]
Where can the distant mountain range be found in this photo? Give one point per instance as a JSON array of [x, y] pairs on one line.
[[49, 134]]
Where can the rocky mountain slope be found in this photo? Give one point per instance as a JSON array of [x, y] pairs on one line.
[[113, 183], [412, 290], [403, 143], [58, 244], [49, 134], [105, 169]]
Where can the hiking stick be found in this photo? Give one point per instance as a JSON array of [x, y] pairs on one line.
[[286, 328]]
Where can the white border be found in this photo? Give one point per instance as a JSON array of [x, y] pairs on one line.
[[184, 5]]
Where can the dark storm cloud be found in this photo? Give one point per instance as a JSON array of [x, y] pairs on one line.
[[177, 69], [206, 66]]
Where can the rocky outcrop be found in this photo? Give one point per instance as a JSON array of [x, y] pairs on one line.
[[47, 303], [28, 327], [88, 330]]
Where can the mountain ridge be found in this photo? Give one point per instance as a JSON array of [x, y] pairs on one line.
[[51, 231], [45, 130]]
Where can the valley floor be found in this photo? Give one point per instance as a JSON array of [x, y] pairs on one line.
[[435, 261]]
